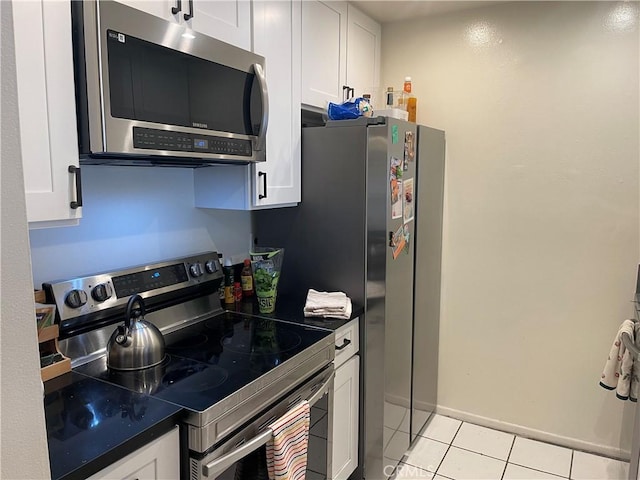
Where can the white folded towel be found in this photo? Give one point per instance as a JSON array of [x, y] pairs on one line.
[[621, 369], [327, 304]]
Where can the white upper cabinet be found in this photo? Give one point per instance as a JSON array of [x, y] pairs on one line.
[[276, 182], [277, 34], [46, 103], [324, 52], [340, 49], [226, 20], [363, 55], [170, 10]]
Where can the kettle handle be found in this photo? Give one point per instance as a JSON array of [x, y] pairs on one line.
[[132, 301]]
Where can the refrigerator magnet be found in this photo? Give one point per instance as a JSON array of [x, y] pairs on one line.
[[407, 238], [395, 186], [394, 134], [396, 198], [398, 242], [408, 196], [395, 169], [409, 147]]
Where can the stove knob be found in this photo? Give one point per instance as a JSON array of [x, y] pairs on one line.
[[101, 292], [76, 298], [211, 266], [196, 269]]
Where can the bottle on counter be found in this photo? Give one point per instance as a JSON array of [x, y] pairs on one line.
[[221, 289], [228, 282], [246, 279], [237, 292], [410, 99]]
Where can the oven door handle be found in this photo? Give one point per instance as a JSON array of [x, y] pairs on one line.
[[320, 391], [222, 463]]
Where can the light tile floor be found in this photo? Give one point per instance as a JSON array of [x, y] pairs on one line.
[[448, 449]]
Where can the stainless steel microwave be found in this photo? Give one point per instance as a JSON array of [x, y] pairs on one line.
[[152, 92]]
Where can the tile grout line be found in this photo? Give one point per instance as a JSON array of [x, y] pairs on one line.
[[571, 464], [448, 449], [506, 463], [538, 470]]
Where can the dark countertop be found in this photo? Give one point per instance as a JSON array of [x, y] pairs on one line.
[[92, 424], [291, 308]]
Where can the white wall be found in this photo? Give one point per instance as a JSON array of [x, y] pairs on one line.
[[539, 101], [24, 452], [135, 215]]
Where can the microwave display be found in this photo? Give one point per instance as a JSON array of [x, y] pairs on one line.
[[153, 83]]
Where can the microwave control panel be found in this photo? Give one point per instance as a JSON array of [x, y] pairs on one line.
[[154, 139]]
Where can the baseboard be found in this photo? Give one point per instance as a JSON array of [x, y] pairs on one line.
[[534, 434], [397, 400]]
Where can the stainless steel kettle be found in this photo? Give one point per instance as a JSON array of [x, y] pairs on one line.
[[137, 344]]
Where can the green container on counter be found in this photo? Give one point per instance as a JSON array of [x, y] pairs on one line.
[[266, 263]]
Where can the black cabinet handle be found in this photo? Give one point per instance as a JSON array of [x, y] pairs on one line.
[[177, 8], [347, 92], [188, 16], [345, 343], [78, 201], [264, 185]]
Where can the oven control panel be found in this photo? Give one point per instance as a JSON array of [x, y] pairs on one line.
[[84, 296]]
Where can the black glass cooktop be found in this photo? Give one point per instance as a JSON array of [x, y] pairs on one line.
[[214, 358]]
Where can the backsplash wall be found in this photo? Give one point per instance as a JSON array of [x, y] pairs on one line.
[[134, 215]]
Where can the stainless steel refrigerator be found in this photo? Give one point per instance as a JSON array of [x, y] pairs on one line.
[[370, 225]]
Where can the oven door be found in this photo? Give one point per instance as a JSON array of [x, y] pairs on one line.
[[243, 455]]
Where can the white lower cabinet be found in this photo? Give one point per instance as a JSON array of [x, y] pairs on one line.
[[159, 459], [346, 396], [345, 419]]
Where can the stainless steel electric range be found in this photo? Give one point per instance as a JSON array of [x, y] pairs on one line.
[[232, 373]]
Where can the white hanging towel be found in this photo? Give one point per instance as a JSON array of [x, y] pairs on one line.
[[622, 369], [327, 304]]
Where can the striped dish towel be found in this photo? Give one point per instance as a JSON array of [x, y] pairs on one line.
[[287, 449]]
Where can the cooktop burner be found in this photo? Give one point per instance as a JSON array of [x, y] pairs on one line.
[[214, 358], [263, 339], [192, 342]]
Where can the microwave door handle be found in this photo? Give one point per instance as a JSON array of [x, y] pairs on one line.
[[221, 464], [262, 134]]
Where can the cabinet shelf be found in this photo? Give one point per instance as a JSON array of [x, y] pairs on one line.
[[48, 346]]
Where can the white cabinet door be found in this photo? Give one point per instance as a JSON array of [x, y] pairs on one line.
[[324, 52], [160, 8], [226, 20], [363, 55], [159, 459], [345, 419], [276, 182], [277, 32], [46, 103]]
